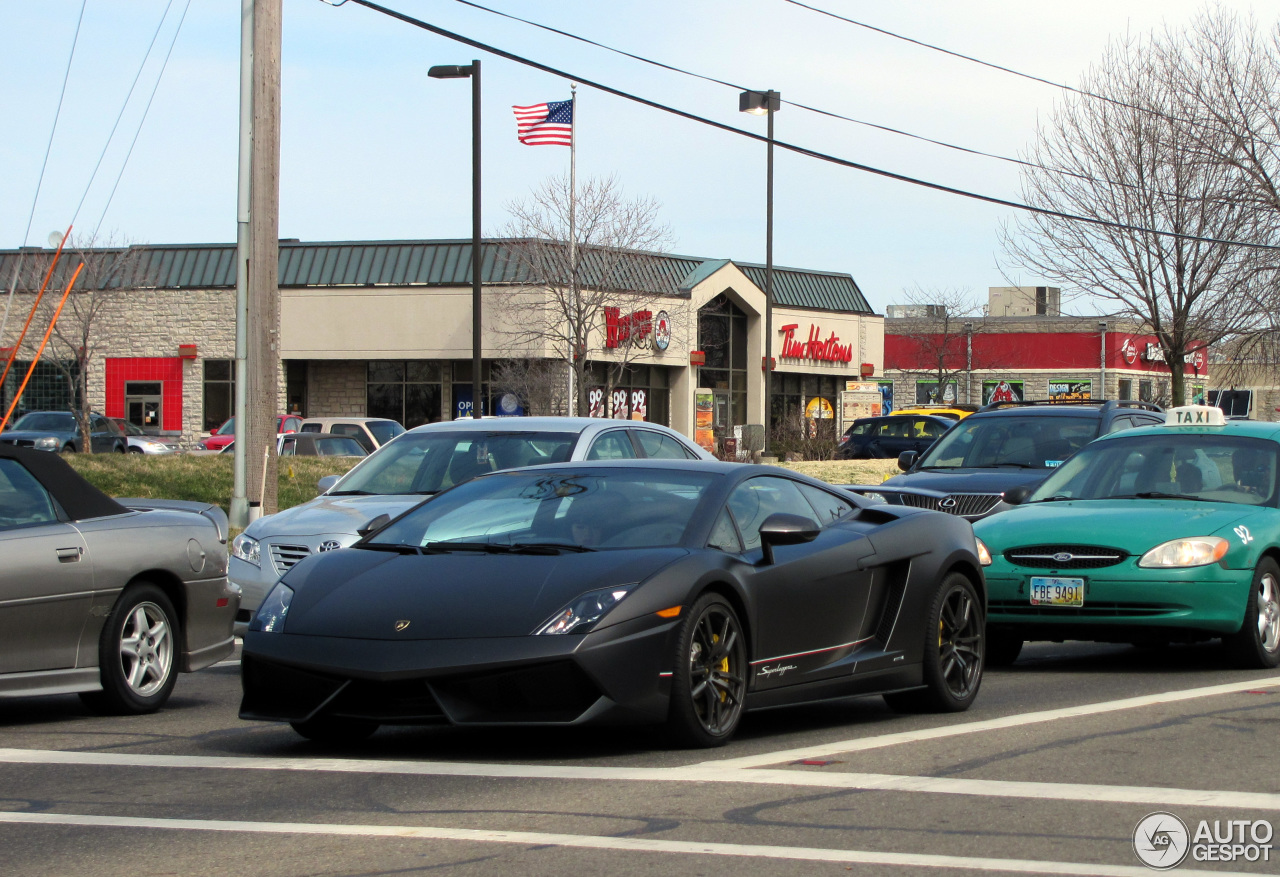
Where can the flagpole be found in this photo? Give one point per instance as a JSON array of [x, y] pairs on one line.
[[573, 242]]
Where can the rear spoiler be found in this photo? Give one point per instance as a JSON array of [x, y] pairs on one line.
[[213, 512]]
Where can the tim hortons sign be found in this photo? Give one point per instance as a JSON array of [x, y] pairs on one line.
[[816, 348]]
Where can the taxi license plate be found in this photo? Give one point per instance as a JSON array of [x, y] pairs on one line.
[[1055, 591]]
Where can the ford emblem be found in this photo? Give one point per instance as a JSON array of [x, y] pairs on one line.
[[1064, 557], [948, 503], [329, 545]]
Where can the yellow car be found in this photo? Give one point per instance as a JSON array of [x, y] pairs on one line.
[[951, 412]]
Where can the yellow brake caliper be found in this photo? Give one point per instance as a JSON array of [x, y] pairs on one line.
[[724, 663], [939, 633]]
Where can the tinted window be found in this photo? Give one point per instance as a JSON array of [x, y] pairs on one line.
[[384, 430], [1024, 440], [929, 429], [613, 445], [723, 535], [46, 420], [22, 499], [753, 501], [661, 446], [311, 427], [828, 506], [339, 446]]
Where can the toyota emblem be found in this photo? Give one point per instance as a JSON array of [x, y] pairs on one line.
[[1064, 557], [947, 503], [329, 545]]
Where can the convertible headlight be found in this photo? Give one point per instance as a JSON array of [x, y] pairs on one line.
[[586, 610], [984, 553], [270, 615], [47, 442], [246, 548], [1197, 551]]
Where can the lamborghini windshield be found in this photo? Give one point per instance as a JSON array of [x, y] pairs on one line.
[[598, 509]]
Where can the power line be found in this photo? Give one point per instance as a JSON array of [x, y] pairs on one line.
[[791, 147]]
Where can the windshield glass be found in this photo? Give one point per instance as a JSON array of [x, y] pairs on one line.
[[1215, 468], [1028, 442], [616, 508], [433, 461], [384, 430], [228, 428], [42, 420], [339, 446]]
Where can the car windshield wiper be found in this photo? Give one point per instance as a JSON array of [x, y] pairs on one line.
[[506, 547], [1013, 465], [1057, 498], [556, 546], [921, 468], [1157, 494], [350, 493], [397, 547]]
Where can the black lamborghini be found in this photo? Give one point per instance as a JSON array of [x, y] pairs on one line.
[[683, 592]]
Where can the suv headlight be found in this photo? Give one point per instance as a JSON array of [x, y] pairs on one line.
[[47, 442], [246, 548], [1196, 551], [586, 610], [270, 615]]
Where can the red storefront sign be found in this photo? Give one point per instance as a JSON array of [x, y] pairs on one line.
[[635, 327], [816, 348]]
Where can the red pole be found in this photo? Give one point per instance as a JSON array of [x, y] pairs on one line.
[[14, 353], [57, 313]]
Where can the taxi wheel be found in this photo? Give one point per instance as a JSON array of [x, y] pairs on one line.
[[1257, 644]]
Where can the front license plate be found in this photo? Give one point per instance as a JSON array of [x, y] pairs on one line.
[[1054, 591]]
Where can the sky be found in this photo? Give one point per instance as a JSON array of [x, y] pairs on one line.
[[373, 149]]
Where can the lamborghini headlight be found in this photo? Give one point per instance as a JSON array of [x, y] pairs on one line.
[[270, 615], [1196, 551], [246, 548], [586, 610]]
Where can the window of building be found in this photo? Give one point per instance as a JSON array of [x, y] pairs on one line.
[[1234, 403], [1125, 390], [640, 392], [48, 389], [406, 391], [219, 392], [1146, 391], [928, 393], [722, 336]]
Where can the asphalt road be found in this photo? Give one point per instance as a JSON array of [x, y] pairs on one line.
[[1050, 772]]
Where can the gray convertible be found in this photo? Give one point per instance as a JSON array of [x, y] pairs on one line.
[[106, 598]]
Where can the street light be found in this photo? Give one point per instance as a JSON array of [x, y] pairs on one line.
[[472, 72], [766, 103]]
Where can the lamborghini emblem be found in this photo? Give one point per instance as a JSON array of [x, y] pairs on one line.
[[401, 625]]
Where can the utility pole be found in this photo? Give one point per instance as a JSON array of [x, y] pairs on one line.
[[263, 312], [239, 516]]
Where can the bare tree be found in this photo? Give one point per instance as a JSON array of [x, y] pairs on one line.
[[1129, 160], [569, 280], [539, 383], [77, 339], [937, 337]]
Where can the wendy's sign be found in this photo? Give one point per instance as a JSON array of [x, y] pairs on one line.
[[816, 348], [635, 327]]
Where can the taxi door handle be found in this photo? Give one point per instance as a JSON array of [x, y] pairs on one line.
[[69, 555]]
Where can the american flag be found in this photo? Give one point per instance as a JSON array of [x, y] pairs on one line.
[[549, 124]]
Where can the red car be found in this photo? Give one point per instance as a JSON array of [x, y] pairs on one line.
[[226, 434]]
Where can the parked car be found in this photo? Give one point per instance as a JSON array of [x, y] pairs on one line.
[[1170, 533], [880, 438], [372, 432], [310, 444], [141, 442], [58, 431], [226, 434], [683, 592], [421, 463], [108, 598], [956, 411], [1003, 446]]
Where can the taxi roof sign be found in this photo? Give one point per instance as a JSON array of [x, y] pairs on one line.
[[1195, 415]]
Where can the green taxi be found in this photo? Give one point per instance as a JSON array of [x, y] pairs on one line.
[[1152, 535]]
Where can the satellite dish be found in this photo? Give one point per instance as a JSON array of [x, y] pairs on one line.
[[55, 239]]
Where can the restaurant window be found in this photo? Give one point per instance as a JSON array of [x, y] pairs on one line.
[[1125, 391], [639, 392], [219, 393], [406, 391], [48, 389], [722, 337]]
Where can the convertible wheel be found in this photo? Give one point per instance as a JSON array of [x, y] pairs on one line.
[[136, 653], [330, 729], [1257, 645], [954, 652], [709, 682], [1002, 649]]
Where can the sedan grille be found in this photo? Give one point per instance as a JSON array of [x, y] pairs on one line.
[[285, 556], [968, 505], [22, 443], [1065, 556], [1091, 610]]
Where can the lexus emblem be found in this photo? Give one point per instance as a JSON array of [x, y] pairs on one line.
[[329, 545], [401, 625], [1064, 557], [948, 503]]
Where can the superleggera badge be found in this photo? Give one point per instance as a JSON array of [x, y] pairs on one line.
[[775, 670]]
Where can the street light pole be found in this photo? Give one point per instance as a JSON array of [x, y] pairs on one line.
[[766, 103], [454, 71]]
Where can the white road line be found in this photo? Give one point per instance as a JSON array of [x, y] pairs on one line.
[[1153, 796], [596, 842], [861, 744]]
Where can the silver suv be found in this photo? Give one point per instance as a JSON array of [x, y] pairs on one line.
[[419, 464]]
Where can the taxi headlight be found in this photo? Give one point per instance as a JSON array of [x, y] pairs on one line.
[[1196, 551], [246, 548], [984, 553]]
